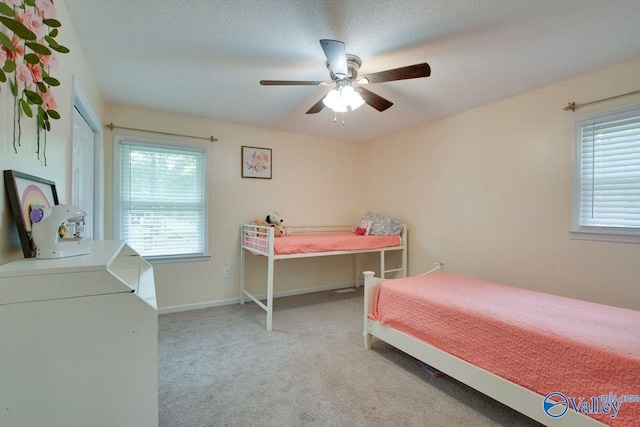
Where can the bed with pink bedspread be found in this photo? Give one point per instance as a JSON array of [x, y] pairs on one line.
[[319, 243], [307, 242], [585, 353]]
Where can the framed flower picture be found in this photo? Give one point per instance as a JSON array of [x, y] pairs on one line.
[[256, 162], [25, 193]]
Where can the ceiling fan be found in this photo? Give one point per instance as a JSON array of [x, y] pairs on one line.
[[348, 93]]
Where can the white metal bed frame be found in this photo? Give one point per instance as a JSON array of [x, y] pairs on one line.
[[264, 245], [509, 393]]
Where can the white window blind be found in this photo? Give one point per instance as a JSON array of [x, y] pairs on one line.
[[608, 188], [161, 198]]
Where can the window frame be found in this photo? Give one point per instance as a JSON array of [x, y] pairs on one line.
[[178, 145], [597, 233]]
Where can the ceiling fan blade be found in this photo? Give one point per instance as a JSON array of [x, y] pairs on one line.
[[402, 73], [376, 101], [317, 107], [336, 55], [290, 83]]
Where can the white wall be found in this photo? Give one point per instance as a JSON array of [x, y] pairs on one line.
[[73, 64], [315, 181], [488, 192]]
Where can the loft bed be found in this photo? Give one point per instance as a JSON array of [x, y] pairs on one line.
[[317, 241], [487, 336]]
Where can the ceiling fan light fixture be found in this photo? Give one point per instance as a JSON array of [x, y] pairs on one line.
[[343, 98]]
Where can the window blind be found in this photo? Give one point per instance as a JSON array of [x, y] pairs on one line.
[[162, 209], [610, 171]]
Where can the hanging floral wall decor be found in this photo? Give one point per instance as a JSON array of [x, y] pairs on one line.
[[28, 46]]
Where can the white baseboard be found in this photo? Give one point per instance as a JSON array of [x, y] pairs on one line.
[[197, 306], [201, 305]]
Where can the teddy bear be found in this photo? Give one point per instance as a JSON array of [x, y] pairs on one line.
[[277, 232], [275, 221]]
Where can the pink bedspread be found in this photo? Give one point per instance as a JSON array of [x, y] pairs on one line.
[[543, 342], [326, 242]]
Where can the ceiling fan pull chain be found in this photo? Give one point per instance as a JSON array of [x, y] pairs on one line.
[[335, 117], [342, 119]]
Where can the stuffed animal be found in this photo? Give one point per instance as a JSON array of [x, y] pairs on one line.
[[364, 228], [260, 223], [276, 231], [274, 219]]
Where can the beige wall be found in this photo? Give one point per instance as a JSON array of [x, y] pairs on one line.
[[315, 181], [488, 192], [73, 64]]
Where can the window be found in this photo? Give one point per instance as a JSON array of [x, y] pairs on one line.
[[606, 189], [161, 197]]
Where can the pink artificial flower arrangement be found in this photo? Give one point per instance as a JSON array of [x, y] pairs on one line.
[[28, 46]]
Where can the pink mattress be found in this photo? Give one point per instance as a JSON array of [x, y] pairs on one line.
[[543, 342], [324, 242]]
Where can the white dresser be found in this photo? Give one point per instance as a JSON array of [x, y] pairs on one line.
[[79, 340]]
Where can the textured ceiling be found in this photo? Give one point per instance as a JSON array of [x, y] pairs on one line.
[[206, 57]]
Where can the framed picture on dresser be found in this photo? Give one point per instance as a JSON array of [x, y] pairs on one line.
[[25, 193]]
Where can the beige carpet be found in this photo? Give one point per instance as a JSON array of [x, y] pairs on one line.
[[220, 367]]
